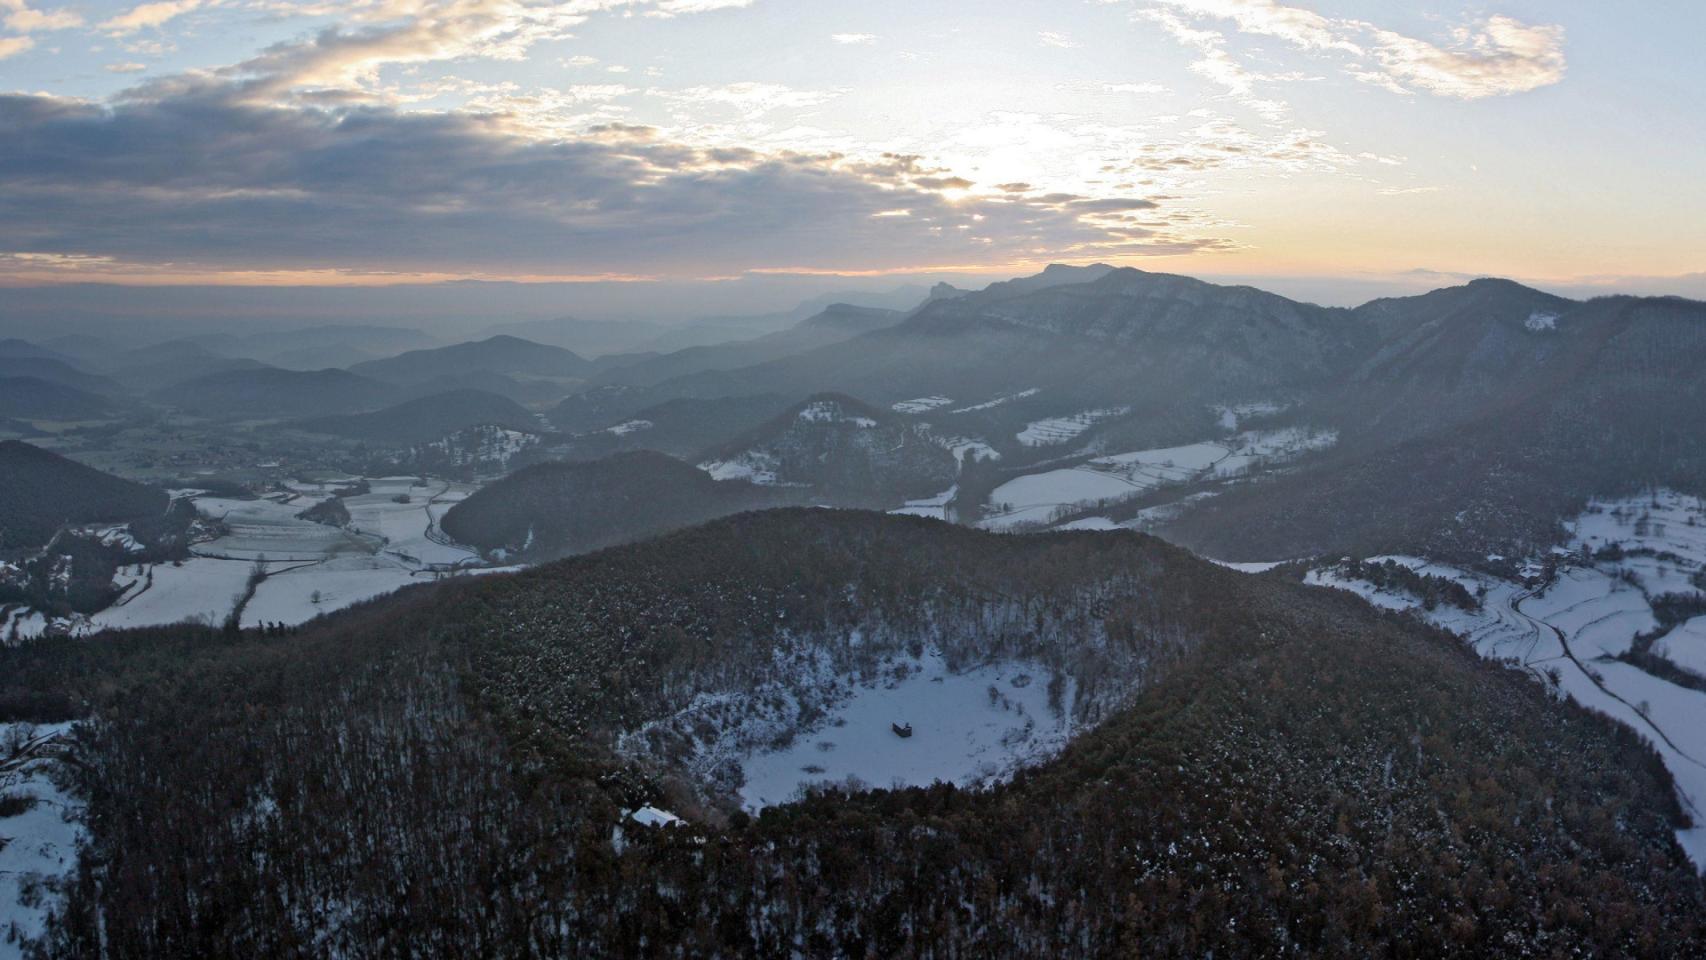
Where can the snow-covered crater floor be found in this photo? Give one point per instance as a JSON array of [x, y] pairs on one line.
[[970, 728]]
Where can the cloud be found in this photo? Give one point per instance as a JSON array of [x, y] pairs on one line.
[[125, 67], [180, 174], [23, 18], [1049, 38], [1217, 65], [1112, 204], [1295, 25], [149, 15], [1221, 143], [854, 38], [344, 63], [943, 183], [749, 99], [1495, 56], [1137, 88], [670, 8], [12, 46]]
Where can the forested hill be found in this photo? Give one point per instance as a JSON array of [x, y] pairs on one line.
[[40, 491], [1500, 411], [1287, 772], [552, 509], [846, 451]]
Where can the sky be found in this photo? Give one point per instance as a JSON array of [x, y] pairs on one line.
[[1322, 147]]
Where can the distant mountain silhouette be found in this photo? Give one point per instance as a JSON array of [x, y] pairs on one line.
[[426, 418], [32, 398], [271, 393]]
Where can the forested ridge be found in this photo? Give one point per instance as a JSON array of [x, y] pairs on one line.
[[557, 508], [40, 491], [1479, 439], [435, 773]]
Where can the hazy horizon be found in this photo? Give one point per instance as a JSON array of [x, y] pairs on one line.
[[458, 309]]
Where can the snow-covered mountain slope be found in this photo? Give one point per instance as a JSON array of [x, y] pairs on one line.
[[1612, 622]]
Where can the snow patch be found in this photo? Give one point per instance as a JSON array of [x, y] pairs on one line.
[[998, 401], [1091, 523], [1056, 430], [654, 817], [920, 405], [936, 507], [828, 411], [963, 447], [40, 848], [751, 466], [1035, 499], [1231, 416], [971, 728]]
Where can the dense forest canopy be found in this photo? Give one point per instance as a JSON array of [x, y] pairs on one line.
[[40, 491], [1298, 776]]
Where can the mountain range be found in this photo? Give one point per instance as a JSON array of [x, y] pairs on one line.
[[1468, 419]]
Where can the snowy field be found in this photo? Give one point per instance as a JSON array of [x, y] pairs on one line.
[[311, 568], [968, 728], [271, 529], [202, 588], [962, 447], [936, 507], [1033, 499], [39, 849], [1685, 646], [998, 401], [409, 530], [921, 405], [1254, 449], [1057, 430], [1567, 632], [298, 594]]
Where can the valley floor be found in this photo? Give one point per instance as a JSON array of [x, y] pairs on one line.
[[307, 569]]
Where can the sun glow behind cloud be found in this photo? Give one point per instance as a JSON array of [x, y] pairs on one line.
[[378, 139]]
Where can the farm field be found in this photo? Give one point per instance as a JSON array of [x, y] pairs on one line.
[[1033, 500]]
